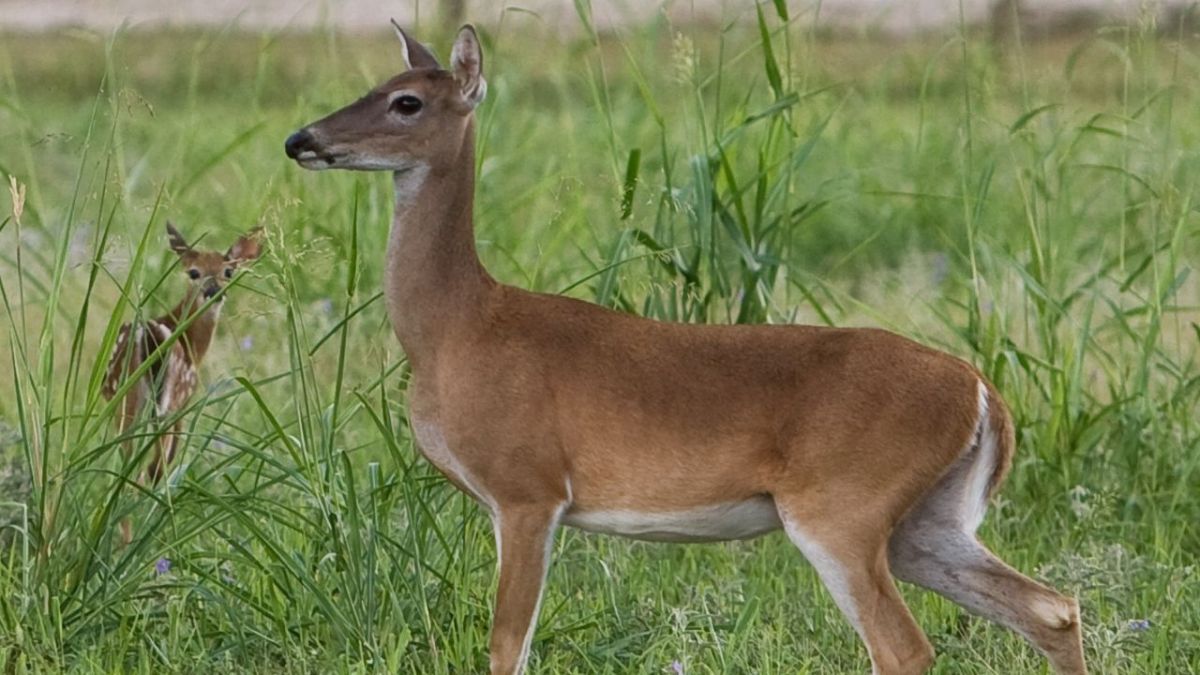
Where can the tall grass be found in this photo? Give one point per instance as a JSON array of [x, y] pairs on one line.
[[1031, 211]]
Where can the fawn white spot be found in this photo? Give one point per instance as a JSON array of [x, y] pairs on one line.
[[121, 336], [161, 331]]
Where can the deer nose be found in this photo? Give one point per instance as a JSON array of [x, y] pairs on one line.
[[298, 143]]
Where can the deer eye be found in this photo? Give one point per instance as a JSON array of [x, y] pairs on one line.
[[406, 105], [194, 273], [228, 272]]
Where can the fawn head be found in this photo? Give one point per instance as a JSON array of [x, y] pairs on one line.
[[209, 271], [408, 121]]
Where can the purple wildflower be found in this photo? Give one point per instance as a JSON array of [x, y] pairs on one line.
[[162, 566], [1138, 625], [677, 667], [247, 343]]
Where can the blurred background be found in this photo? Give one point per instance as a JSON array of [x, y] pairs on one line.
[[886, 16]]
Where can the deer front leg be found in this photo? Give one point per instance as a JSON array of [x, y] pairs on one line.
[[524, 536]]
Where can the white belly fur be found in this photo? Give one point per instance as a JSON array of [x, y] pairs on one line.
[[718, 522]]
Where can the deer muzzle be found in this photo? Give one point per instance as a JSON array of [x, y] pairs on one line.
[[299, 143]]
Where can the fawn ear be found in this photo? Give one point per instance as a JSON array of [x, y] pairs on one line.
[[178, 244], [247, 248], [466, 60], [416, 55]]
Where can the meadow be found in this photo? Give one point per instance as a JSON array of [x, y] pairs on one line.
[[1028, 207]]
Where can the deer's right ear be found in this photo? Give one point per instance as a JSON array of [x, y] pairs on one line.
[[416, 55], [178, 244], [466, 61], [247, 248]]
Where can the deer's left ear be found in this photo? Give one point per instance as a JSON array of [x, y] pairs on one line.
[[416, 55], [247, 248], [466, 61], [178, 244]]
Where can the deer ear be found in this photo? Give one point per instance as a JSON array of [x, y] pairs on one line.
[[416, 55], [247, 248], [466, 60], [178, 244]]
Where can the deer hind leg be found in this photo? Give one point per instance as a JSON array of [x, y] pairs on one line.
[[126, 523], [935, 546], [164, 453], [852, 563], [127, 416], [524, 536]]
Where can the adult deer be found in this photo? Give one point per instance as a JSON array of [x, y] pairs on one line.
[[171, 379], [876, 455]]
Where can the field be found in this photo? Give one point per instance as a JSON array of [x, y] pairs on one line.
[[1031, 208]]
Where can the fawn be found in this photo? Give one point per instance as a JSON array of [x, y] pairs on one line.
[[170, 381], [876, 455]]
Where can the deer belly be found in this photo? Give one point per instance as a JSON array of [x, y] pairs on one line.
[[715, 522]]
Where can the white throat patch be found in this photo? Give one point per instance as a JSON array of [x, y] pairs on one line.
[[409, 181]]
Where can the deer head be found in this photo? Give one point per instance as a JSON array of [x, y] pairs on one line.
[[209, 271], [411, 120]]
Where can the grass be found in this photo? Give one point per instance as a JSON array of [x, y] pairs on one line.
[[1030, 209]]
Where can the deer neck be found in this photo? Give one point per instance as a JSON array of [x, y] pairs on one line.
[[199, 333], [434, 283]]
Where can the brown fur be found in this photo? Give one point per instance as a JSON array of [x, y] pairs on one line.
[[547, 408], [169, 382]]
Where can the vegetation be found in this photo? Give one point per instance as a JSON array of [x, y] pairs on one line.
[[1032, 210]]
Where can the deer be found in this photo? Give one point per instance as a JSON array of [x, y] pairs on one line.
[[166, 386], [877, 456]]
